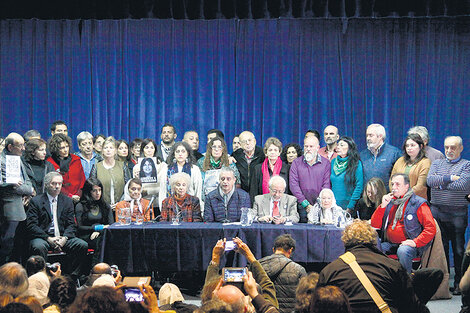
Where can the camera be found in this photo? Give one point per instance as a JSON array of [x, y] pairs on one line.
[[133, 294], [114, 270], [233, 274], [53, 267]]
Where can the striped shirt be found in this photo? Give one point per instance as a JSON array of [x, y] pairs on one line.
[[444, 191]]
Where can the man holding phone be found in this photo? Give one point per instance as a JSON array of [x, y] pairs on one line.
[[406, 222]]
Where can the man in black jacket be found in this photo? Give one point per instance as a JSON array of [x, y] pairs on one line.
[[51, 225], [247, 158], [283, 272]]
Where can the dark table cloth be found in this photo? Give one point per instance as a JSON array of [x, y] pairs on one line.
[[188, 247]]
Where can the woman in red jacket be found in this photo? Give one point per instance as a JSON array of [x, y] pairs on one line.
[[69, 165]]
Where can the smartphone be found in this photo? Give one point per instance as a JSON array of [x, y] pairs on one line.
[[133, 294], [230, 245], [233, 274]]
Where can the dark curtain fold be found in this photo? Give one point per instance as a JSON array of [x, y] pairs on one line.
[[228, 9], [276, 77]]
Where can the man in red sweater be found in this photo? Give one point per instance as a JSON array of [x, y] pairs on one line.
[[406, 222]]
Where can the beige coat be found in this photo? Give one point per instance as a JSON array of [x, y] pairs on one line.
[[418, 175]]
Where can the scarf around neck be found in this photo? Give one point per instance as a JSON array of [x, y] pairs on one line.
[[265, 172], [401, 204], [64, 164], [340, 165], [215, 164]]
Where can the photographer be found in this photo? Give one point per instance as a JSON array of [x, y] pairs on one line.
[[40, 273], [227, 293], [98, 271]]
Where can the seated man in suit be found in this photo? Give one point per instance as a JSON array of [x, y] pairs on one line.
[[51, 225], [276, 207], [224, 203]]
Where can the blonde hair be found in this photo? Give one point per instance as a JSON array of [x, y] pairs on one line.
[[359, 233]]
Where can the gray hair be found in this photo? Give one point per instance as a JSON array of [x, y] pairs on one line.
[[49, 176], [327, 190], [459, 139], [379, 130], [13, 279], [277, 179], [84, 136], [226, 169], [178, 177], [421, 131]]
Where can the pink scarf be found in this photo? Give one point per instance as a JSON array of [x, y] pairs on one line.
[[265, 172]]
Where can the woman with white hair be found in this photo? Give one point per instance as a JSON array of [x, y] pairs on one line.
[[325, 211], [180, 202]]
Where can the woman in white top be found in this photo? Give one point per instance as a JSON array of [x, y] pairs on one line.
[[179, 160], [326, 211]]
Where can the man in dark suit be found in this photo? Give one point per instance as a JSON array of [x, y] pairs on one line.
[[276, 207], [168, 137], [51, 225]]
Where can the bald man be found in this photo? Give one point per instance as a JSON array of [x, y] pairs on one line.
[[330, 136], [247, 158], [11, 196]]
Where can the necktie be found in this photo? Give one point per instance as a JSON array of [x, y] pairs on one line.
[[276, 209], [54, 218]]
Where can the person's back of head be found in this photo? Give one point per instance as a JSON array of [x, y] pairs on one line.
[[304, 291], [16, 308], [100, 300], [62, 292], [13, 278], [329, 299], [31, 302], [34, 264], [284, 242], [169, 293], [216, 306]]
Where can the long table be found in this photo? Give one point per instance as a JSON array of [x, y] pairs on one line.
[[187, 247]]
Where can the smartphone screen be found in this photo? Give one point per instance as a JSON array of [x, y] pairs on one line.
[[234, 274], [133, 295], [230, 245]]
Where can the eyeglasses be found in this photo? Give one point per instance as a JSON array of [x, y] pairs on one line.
[[217, 147]]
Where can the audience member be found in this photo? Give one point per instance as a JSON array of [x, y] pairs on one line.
[[212, 133], [312, 132], [113, 174], [406, 222], [430, 152], [98, 141], [216, 157], [123, 154], [308, 175], [15, 307], [449, 180], [330, 136], [31, 134], [12, 194], [236, 143], [325, 210], [87, 155], [5, 298], [329, 299], [133, 200], [168, 136], [96, 272], [170, 298], [291, 152], [134, 149], [247, 158], [51, 225], [414, 164], [38, 278], [100, 300], [34, 160], [271, 166], [224, 203], [13, 279], [31, 302], [191, 137], [379, 157], [180, 160], [304, 291], [181, 204], [93, 215], [283, 272], [276, 207], [59, 127], [68, 165], [387, 276], [62, 293], [371, 198], [347, 180]]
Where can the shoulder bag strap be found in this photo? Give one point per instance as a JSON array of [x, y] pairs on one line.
[[350, 259]]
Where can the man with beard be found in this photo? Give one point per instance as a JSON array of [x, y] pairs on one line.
[[379, 157], [309, 174], [168, 137], [330, 135]]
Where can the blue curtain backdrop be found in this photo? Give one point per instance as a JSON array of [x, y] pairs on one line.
[[275, 77]]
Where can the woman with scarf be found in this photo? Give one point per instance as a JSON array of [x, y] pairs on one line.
[[93, 215], [34, 160], [133, 200], [325, 211], [180, 203], [347, 179], [216, 157], [271, 166], [113, 174], [68, 165], [180, 160]]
